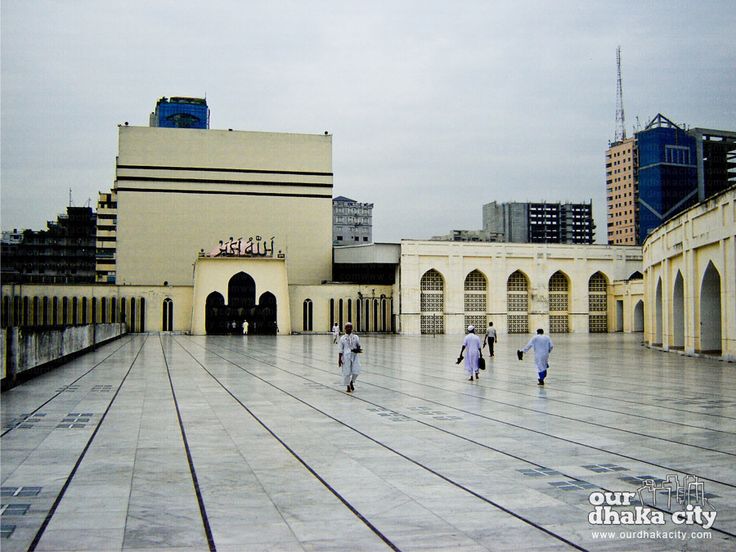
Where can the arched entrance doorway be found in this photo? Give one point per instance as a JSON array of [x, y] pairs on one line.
[[639, 316], [262, 320], [710, 311], [241, 298], [215, 316]]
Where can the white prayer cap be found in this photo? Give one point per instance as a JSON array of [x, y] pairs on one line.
[[471, 328]]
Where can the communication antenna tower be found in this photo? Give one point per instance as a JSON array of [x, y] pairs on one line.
[[620, 125]]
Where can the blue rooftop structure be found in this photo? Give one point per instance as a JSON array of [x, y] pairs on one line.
[[180, 112]]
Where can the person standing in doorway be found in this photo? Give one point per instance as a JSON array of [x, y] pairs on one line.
[[347, 357], [542, 346], [471, 344], [335, 332], [490, 338]]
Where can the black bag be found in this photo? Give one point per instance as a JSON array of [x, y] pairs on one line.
[[520, 354], [482, 363]]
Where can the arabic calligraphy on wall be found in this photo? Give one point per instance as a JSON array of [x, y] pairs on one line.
[[251, 247]]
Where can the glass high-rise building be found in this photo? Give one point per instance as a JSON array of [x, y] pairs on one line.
[[661, 172], [181, 113], [668, 173]]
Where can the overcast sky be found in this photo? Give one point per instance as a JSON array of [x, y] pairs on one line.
[[435, 107]]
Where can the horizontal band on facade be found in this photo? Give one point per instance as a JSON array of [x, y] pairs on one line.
[[215, 169], [222, 192], [208, 181]]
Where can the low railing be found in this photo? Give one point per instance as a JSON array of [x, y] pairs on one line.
[[30, 351]]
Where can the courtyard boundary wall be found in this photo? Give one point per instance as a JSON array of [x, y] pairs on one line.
[[30, 351]]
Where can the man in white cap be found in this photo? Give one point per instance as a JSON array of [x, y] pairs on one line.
[[473, 346], [347, 357]]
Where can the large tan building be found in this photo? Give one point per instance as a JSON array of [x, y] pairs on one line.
[[180, 191], [621, 192]]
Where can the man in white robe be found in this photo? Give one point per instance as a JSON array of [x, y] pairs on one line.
[[472, 346], [347, 357], [542, 346], [335, 332]]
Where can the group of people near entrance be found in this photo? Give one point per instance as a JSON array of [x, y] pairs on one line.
[[348, 349], [473, 350]]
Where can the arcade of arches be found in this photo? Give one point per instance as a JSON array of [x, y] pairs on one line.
[[518, 300], [692, 305]]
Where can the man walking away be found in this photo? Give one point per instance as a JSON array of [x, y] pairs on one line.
[[335, 332], [347, 357], [472, 344], [542, 346], [490, 338]]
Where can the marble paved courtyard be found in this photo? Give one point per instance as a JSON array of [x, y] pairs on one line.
[[181, 443]]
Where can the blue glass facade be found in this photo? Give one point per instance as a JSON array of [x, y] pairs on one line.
[[181, 113], [668, 180]]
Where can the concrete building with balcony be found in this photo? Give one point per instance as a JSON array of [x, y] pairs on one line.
[[352, 221], [540, 222], [64, 253]]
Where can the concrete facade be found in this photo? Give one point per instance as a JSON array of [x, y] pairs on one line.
[[190, 189], [690, 292]]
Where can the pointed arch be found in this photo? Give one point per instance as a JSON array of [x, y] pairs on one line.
[[476, 291], [678, 313], [264, 321], [215, 319], [167, 315], [598, 303], [710, 311], [559, 302], [241, 291], [307, 315], [658, 313], [517, 302], [639, 316], [432, 302]]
